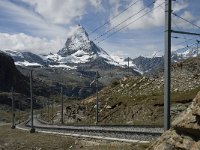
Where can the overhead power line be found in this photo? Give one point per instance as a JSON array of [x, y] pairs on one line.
[[177, 37], [186, 41], [184, 37], [109, 20], [130, 23], [184, 32], [186, 47], [124, 21], [121, 22], [186, 20]]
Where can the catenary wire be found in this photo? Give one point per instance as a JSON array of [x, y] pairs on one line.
[[186, 20], [130, 23], [109, 20], [105, 33]]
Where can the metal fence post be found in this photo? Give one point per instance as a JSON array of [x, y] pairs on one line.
[[167, 66], [31, 96], [13, 111]]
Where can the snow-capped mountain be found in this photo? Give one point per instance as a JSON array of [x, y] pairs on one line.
[[25, 58], [184, 53], [148, 65], [79, 49]]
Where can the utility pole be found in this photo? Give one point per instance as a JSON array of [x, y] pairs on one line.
[[19, 111], [52, 112], [41, 113], [44, 108], [62, 120], [31, 96], [13, 113], [198, 47], [97, 99], [167, 66], [48, 110], [128, 66]]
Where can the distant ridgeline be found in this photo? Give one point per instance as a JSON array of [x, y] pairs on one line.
[[10, 76]]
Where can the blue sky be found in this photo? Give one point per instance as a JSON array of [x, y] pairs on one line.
[[42, 26]]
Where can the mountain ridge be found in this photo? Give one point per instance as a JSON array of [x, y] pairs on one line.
[[80, 50]]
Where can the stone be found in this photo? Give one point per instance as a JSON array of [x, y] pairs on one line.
[[185, 131]]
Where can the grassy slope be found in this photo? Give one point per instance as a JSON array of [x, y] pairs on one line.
[[139, 100], [22, 140]]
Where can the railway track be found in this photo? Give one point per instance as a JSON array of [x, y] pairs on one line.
[[107, 132]]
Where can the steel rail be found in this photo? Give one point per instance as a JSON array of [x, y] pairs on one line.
[[103, 131]]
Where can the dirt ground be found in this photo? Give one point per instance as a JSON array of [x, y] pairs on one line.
[[15, 139]]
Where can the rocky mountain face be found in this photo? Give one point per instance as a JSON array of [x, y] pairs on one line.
[[153, 65], [184, 133], [25, 58], [80, 52], [10, 76], [184, 53], [149, 65], [79, 46], [139, 99]]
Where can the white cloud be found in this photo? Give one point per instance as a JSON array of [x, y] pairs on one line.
[[114, 2], [176, 47], [31, 22], [127, 50], [151, 47], [153, 19], [42, 20], [183, 24], [180, 5], [62, 11], [187, 15], [198, 22], [96, 3], [39, 25], [23, 42], [53, 18]]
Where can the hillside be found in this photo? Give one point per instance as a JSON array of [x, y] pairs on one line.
[[10, 76], [184, 133], [139, 100], [80, 52]]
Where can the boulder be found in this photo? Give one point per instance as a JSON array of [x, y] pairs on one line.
[[185, 131]]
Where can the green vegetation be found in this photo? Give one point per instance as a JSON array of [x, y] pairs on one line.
[[23, 140], [139, 100]]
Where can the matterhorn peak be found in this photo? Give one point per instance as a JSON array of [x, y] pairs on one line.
[[79, 49], [78, 31], [78, 40]]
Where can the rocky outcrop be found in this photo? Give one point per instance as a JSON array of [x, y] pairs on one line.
[[10, 76], [149, 65], [185, 131]]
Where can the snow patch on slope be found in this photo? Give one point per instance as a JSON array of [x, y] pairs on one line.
[[13, 53], [63, 66], [26, 63], [186, 53], [122, 61]]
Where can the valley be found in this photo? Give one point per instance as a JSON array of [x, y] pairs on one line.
[[129, 91], [129, 95]]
